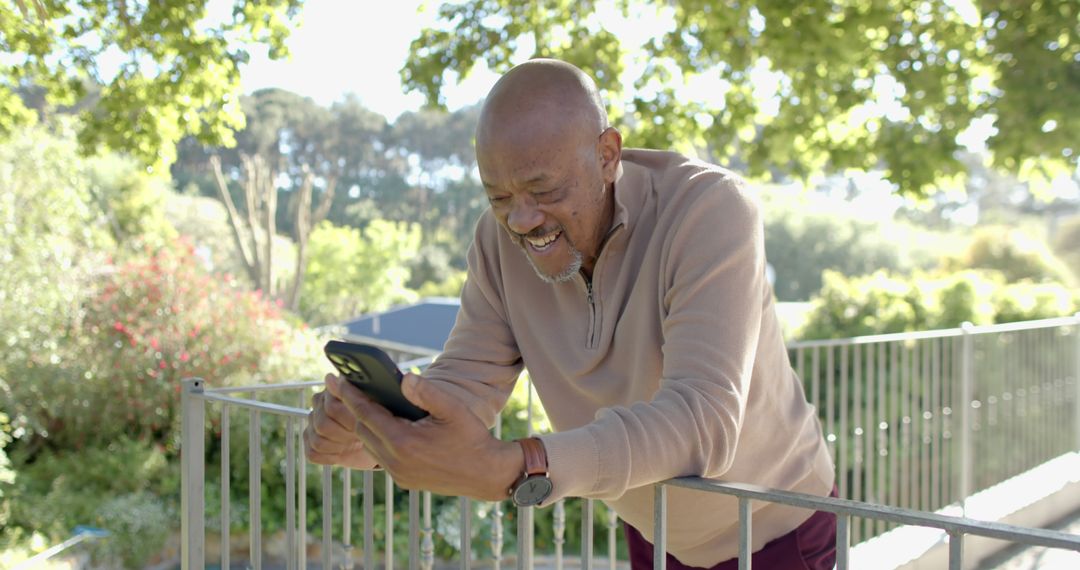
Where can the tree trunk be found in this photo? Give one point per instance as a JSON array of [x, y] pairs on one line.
[[234, 220]]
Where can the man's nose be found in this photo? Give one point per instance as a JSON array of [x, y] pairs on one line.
[[524, 216]]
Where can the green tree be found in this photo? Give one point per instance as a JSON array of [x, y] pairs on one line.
[[837, 67], [351, 271], [1067, 244], [1014, 253], [179, 73]]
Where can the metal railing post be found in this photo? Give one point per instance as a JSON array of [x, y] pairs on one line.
[[192, 460], [659, 527], [967, 381], [746, 524], [1076, 383], [587, 534]]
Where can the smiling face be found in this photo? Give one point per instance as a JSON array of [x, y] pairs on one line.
[[548, 166]]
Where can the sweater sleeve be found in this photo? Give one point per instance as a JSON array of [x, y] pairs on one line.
[[713, 281], [480, 361]]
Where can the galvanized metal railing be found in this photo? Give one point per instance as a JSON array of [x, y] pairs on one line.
[[910, 419], [956, 527], [923, 420]]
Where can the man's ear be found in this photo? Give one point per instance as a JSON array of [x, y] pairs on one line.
[[610, 146]]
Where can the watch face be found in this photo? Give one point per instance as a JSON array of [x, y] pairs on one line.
[[532, 491]]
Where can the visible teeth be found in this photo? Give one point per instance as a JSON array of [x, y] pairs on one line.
[[544, 241]]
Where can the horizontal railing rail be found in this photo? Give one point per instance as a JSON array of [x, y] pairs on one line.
[[956, 527], [916, 422]]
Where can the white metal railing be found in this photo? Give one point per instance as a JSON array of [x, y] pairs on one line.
[[910, 419]]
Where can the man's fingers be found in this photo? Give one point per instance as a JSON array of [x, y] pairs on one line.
[[374, 444], [332, 419]]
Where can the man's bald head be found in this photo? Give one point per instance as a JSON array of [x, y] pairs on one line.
[[542, 93]]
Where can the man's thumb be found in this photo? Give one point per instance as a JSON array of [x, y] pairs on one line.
[[429, 397]]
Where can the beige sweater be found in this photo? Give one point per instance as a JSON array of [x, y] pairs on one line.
[[676, 366]]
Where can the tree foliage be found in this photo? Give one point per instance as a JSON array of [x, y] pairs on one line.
[[859, 84], [351, 271], [178, 67]]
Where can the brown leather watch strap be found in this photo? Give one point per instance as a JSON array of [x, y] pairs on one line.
[[535, 456]]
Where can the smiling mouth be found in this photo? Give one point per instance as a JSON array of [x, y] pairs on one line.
[[542, 243]]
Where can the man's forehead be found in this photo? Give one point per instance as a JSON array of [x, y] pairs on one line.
[[531, 177]]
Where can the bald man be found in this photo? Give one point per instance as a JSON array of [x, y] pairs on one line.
[[632, 285]]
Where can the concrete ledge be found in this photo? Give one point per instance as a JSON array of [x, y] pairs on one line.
[[1036, 499]]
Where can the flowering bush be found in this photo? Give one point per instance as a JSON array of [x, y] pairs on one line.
[[147, 325]]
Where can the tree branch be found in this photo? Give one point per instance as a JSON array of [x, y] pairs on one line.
[[234, 218]]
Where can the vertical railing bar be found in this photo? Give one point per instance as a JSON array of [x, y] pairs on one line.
[[193, 476], [800, 364], [746, 523], [529, 528], [955, 381], [587, 535], [427, 544], [255, 488], [414, 529], [843, 540], [369, 519], [956, 550], [842, 433], [301, 491], [870, 438], [830, 399], [466, 533], [613, 521], [523, 561], [346, 515], [327, 514], [815, 363], [1076, 382], [497, 514], [905, 426], [926, 414], [659, 527], [290, 494], [881, 457], [967, 372], [226, 479], [1061, 387], [858, 434], [936, 425], [388, 551], [558, 525], [894, 426]]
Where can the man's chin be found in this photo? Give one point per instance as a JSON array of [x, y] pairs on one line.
[[564, 275]]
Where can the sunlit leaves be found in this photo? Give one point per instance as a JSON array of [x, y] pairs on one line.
[[158, 70], [852, 83]]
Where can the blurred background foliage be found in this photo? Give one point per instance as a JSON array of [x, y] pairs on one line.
[[157, 224]]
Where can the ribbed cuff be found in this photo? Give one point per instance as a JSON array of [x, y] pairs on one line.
[[573, 463]]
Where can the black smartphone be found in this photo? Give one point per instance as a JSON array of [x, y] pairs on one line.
[[372, 371]]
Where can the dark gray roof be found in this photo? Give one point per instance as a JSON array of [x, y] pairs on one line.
[[425, 325]]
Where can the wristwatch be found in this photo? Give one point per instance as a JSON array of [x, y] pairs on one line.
[[534, 485]]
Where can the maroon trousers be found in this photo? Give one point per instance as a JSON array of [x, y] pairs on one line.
[[811, 546]]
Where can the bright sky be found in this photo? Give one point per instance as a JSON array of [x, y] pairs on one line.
[[357, 46]]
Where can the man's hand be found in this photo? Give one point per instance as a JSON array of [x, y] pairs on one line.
[[329, 437], [450, 452]]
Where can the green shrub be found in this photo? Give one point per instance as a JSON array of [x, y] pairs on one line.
[[138, 525], [887, 303], [53, 492], [1016, 254], [806, 234], [149, 324]]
